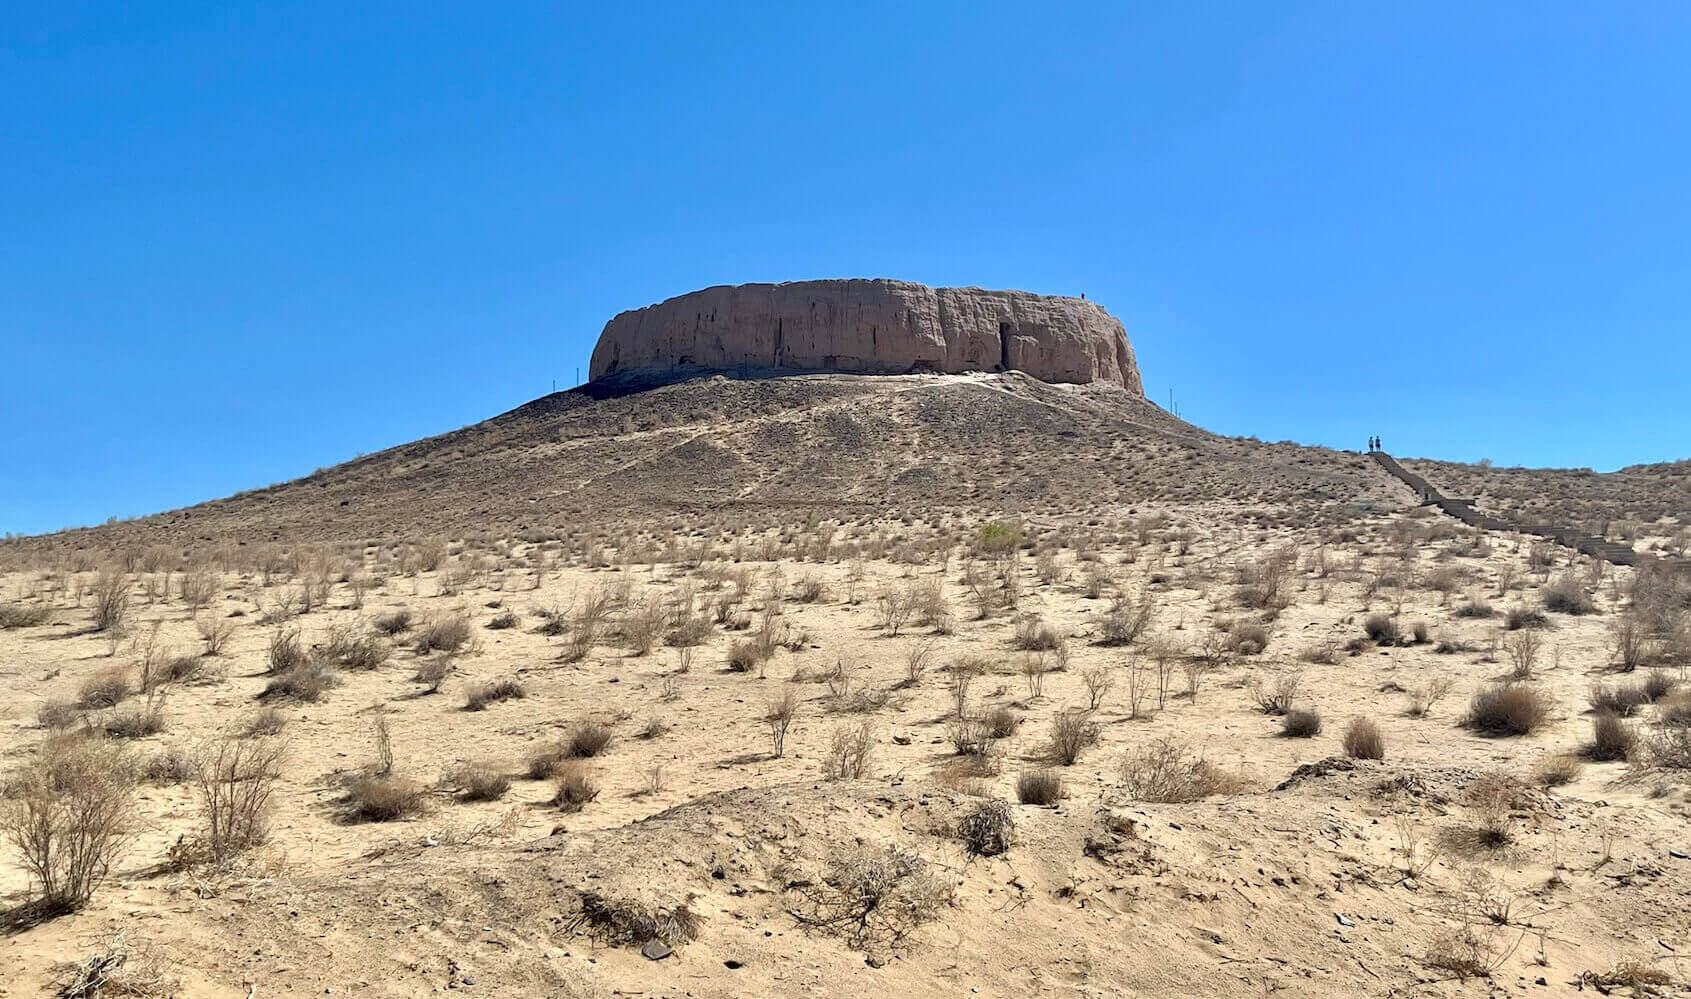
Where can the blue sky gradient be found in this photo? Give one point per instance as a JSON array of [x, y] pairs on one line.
[[242, 242]]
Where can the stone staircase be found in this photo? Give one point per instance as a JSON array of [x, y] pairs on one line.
[[1463, 510]]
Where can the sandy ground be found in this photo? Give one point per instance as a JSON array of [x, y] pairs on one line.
[[1292, 884]]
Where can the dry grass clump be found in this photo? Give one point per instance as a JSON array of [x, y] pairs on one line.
[[1301, 723], [1039, 787], [104, 689], [1245, 636], [1072, 732], [987, 828], [688, 631], [1382, 629], [24, 615], [384, 798], [236, 781], [1507, 709], [137, 722], [1126, 620], [573, 787], [588, 739], [849, 751], [447, 633], [285, 652], [1622, 700], [1611, 738], [1518, 618], [1558, 770], [1278, 698], [626, 923], [1001, 722], [1166, 771], [870, 897], [396, 623], [69, 815], [348, 649], [743, 657], [265, 722], [432, 672], [1567, 596], [478, 696], [1363, 741], [307, 682], [57, 714], [1475, 607], [1034, 635], [480, 781]]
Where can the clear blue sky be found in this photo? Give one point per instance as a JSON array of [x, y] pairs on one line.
[[241, 242]]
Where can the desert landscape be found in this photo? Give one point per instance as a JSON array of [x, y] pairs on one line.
[[853, 637]]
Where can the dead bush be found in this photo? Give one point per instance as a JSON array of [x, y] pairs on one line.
[[1276, 698], [1166, 771], [307, 682], [1518, 618], [1301, 723], [1622, 700], [24, 615], [70, 815], [236, 782], [447, 633], [588, 739], [1363, 741], [850, 749], [1567, 596], [104, 689], [871, 898], [137, 721], [397, 623], [263, 723], [111, 601], [374, 798], [1560, 769], [1033, 634], [1246, 637], [1507, 709], [573, 787], [986, 829], [1611, 738], [1072, 732], [285, 652], [478, 696], [1126, 620], [57, 714], [1039, 787], [779, 717], [1382, 629], [626, 923], [432, 672], [480, 781]]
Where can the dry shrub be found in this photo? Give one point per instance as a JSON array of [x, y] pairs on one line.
[[1667, 747], [1623, 700], [503, 621], [1246, 637], [1383, 629], [743, 657], [24, 615], [849, 751], [1126, 620], [481, 781], [1567, 596], [1560, 769], [1166, 771], [111, 601], [1039, 787], [479, 696], [1301, 723], [286, 653], [1071, 733], [397, 623], [265, 722], [307, 682], [588, 739], [1475, 607], [1518, 618], [626, 923], [236, 782], [689, 630], [447, 633], [433, 672], [544, 762], [70, 817], [58, 714], [573, 786], [1507, 709], [986, 829], [116, 968], [104, 689], [1278, 698], [779, 717], [1363, 741], [871, 898], [376, 798], [137, 722], [1466, 952], [1001, 722], [1034, 635], [1492, 801], [1611, 738]]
